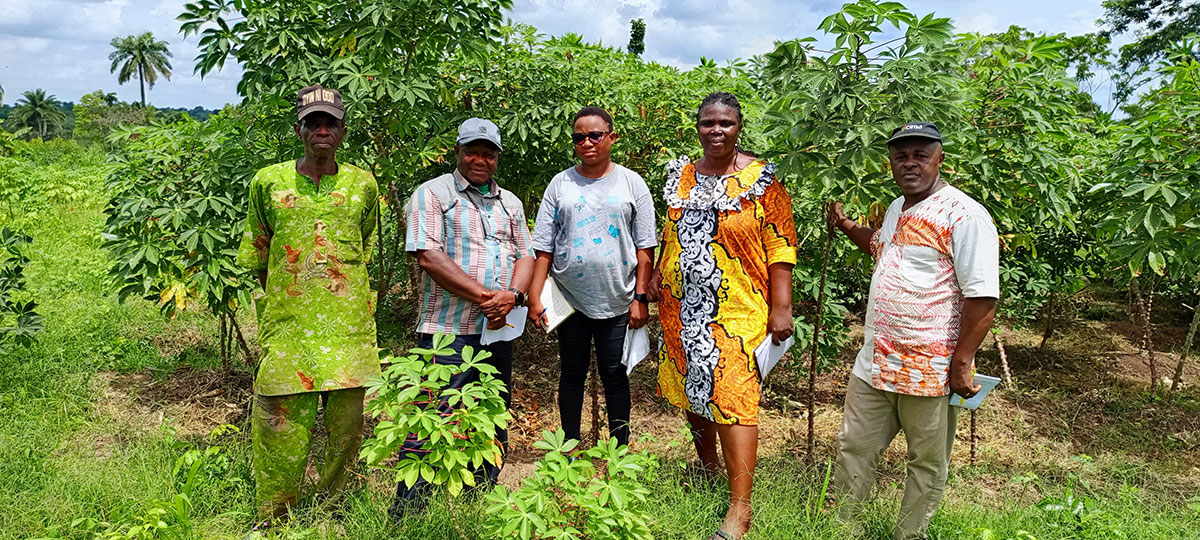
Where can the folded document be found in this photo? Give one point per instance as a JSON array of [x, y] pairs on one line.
[[988, 383], [767, 354]]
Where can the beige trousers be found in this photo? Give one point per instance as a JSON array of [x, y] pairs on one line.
[[871, 419]]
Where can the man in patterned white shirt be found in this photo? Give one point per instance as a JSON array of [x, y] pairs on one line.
[[932, 299]]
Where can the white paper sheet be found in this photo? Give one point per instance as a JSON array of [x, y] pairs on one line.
[[637, 347], [514, 327], [556, 304], [988, 383], [767, 354]]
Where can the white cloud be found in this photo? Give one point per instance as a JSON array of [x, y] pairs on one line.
[[982, 23]]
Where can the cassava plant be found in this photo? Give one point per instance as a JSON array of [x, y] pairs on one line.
[[458, 425], [594, 494], [19, 322], [1153, 220], [174, 220]]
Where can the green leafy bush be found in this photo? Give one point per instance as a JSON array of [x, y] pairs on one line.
[[19, 323], [409, 395], [174, 222], [595, 494]]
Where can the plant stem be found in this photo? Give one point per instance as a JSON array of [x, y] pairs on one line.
[[814, 355], [250, 360], [1003, 358], [1187, 349]]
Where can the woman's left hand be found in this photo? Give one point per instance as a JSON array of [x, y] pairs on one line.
[[779, 325]]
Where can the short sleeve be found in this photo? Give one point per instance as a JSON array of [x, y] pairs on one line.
[[545, 227], [521, 232], [255, 247], [370, 216], [975, 249], [426, 222], [644, 236], [778, 227]]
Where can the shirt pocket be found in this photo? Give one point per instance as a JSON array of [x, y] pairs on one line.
[[349, 246], [924, 268]]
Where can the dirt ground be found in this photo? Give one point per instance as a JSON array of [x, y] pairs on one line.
[[1084, 394]]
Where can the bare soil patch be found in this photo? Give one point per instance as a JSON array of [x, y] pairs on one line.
[[195, 401]]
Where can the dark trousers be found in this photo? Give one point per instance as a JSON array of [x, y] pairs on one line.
[[501, 359], [576, 336]]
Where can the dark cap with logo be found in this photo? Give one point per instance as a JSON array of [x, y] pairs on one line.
[[479, 129], [311, 99], [924, 130]]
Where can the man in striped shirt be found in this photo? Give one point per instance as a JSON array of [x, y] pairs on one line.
[[470, 238]]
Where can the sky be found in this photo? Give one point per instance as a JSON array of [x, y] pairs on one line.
[[62, 46]]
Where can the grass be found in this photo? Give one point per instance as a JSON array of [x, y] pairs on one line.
[[71, 451]]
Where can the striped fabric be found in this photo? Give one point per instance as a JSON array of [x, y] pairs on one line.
[[484, 234]]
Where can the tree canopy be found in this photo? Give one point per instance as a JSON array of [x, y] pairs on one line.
[[39, 112], [143, 56]]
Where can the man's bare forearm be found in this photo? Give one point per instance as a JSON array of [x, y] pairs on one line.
[[859, 234], [449, 275], [977, 316], [522, 274]]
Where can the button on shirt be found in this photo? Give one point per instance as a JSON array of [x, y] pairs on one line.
[[927, 260], [485, 234]]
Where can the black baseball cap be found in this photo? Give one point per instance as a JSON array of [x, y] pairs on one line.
[[315, 98], [925, 130]]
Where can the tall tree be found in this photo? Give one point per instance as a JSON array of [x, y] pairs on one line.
[[143, 56], [39, 112], [637, 37], [1157, 25]]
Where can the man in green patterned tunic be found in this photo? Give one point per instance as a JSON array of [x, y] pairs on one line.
[[309, 232]]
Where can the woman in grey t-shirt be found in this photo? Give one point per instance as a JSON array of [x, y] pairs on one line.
[[595, 234]]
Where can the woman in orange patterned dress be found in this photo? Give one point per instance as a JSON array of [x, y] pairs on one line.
[[724, 284]]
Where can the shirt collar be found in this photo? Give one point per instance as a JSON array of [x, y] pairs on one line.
[[463, 184]]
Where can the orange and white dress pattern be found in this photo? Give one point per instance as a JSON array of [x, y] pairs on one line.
[[721, 234], [928, 259]]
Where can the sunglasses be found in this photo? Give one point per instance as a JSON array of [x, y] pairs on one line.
[[593, 136]]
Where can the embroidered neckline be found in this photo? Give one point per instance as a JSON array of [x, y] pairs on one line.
[[686, 189]]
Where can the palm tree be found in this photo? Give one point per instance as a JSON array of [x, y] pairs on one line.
[[141, 56], [39, 112]]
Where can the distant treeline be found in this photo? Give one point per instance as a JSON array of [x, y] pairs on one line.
[[67, 129]]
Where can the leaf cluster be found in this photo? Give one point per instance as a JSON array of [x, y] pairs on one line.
[[596, 493], [19, 320], [178, 198], [458, 425], [1150, 192]]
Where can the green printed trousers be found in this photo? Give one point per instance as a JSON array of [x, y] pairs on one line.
[[281, 429]]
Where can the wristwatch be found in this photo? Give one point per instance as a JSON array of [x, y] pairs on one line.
[[522, 298], [641, 297]]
